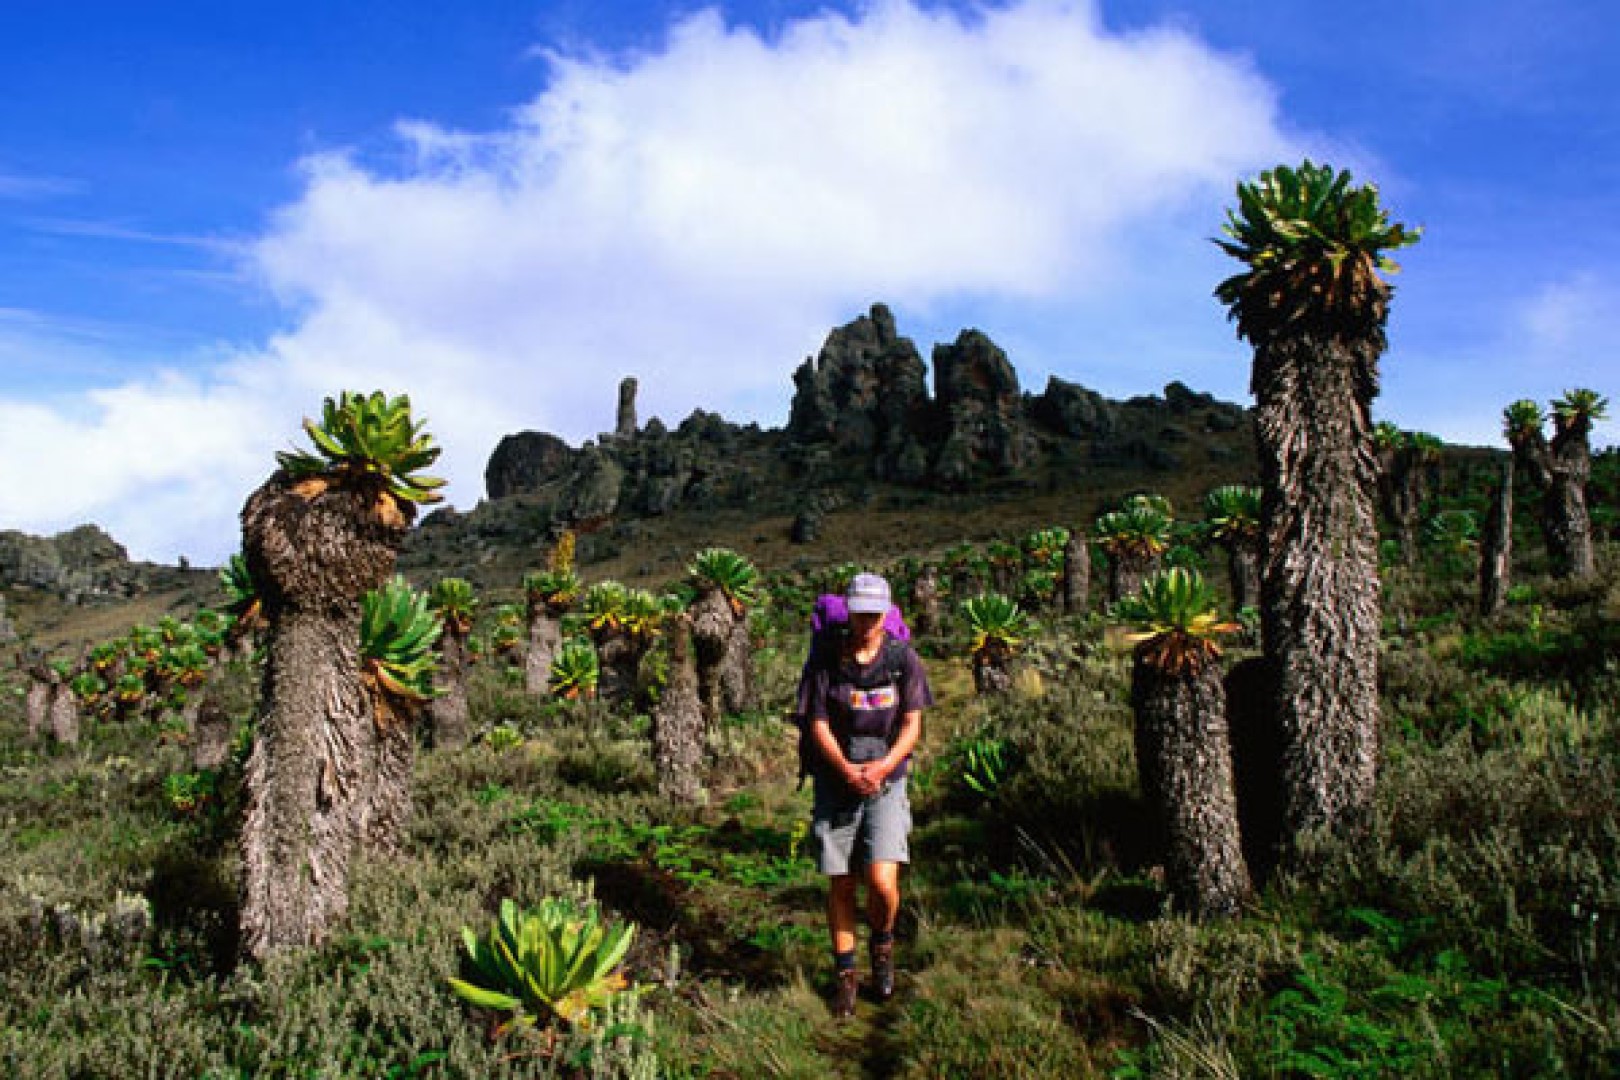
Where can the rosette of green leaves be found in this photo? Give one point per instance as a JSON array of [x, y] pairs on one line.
[[575, 670], [556, 960], [1314, 244], [369, 436], [997, 624], [731, 573], [507, 633], [1232, 514], [1455, 532], [1579, 408], [1045, 546], [602, 606], [398, 630], [453, 600], [1176, 619], [1141, 530], [1521, 419], [554, 589], [88, 687]]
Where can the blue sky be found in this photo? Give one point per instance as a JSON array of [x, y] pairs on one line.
[[212, 215]]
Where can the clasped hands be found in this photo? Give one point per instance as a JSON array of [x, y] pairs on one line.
[[867, 778]]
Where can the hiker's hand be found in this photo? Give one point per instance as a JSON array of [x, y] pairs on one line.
[[865, 779]]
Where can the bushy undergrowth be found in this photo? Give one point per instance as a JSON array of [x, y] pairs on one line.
[[1473, 932]]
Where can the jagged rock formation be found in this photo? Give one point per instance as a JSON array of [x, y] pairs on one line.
[[78, 564], [861, 417]]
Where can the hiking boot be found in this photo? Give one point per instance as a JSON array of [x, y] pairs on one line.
[[883, 970], [845, 986]]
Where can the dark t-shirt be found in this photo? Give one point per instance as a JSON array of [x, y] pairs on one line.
[[863, 703]]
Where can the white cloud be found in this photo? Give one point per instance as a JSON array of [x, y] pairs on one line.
[[698, 216]]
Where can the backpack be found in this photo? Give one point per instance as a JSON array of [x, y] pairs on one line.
[[829, 621]]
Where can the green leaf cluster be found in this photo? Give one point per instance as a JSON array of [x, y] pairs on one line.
[[1232, 514], [452, 598], [726, 570], [1314, 244], [1140, 530], [556, 960], [575, 669], [555, 588], [369, 435], [1177, 620], [398, 630], [997, 624]]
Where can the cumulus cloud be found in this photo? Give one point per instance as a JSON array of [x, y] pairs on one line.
[[697, 215]]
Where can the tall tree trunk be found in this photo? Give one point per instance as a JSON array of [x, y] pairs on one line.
[[1496, 548], [1243, 571], [1569, 525], [677, 721], [388, 812], [314, 553], [1126, 574], [713, 621], [1184, 756], [925, 602], [37, 706], [545, 639], [1319, 577], [449, 719], [619, 656], [64, 714], [1076, 574], [738, 692], [992, 672]]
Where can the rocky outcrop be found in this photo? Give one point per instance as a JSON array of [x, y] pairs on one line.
[[526, 462], [1070, 409], [624, 426], [865, 394], [980, 410], [80, 564]]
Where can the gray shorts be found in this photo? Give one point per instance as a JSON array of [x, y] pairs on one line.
[[848, 832]]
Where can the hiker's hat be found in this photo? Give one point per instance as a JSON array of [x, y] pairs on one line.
[[868, 594]]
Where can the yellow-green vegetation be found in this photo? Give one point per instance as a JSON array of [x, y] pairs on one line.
[[363, 438], [556, 959], [398, 630], [575, 669]]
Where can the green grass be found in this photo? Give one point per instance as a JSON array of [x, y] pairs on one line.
[[1475, 933]]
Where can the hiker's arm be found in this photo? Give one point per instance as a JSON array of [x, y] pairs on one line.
[[827, 747], [904, 743]]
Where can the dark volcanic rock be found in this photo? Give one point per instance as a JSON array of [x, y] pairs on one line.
[[1068, 408], [866, 393], [980, 410], [78, 564], [526, 462]]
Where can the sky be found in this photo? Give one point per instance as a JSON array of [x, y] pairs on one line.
[[213, 216]]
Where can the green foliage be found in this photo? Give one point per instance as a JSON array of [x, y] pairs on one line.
[[1579, 409], [555, 960], [363, 437], [1177, 620], [188, 793], [731, 573], [398, 630], [1314, 245], [1141, 530], [997, 624], [986, 760], [556, 589], [1232, 514], [575, 670], [453, 600], [1521, 419]]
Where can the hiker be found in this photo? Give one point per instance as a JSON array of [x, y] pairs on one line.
[[862, 698]]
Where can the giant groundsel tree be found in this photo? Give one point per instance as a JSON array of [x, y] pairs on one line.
[[321, 532], [1312, 302]]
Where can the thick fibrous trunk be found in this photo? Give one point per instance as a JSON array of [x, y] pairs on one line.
[[677, 722], [211, 741], [314, 551], [448, 715], [619, 656], [992, 673], [545, 639], [925, 602], [388, 811], [37, 706], [1126, 574], [1319, 576], [1569, 525], [1185, 762], [1076, 574], [713, 622], [737, 689], [64, 715], [1496, 548], [1402, 484], [1243, 569]]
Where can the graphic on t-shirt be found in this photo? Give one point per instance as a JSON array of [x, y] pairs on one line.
[[883, 697]]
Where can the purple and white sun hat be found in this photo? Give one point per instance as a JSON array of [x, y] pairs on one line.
[[868, 594]]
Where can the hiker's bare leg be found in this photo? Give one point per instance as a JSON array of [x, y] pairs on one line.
[[882, 895], [841, 912]]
